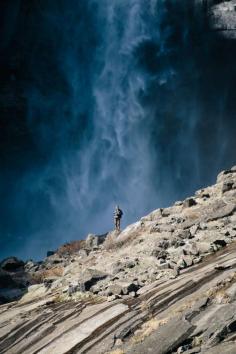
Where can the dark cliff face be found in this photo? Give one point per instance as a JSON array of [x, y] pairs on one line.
[[108, 102]]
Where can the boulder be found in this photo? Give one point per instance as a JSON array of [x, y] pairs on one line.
[[194, 350], [188, 260], [12, 264], [155, 252], [219, 209], [164, 265], [224, 348], [175, 272], [94, 241], [90, 278], [49, 280], [191, 249], [117, 267], [189, 202], [222, 176], [83, 253], [164, 244], [162, 228], [227, 186], [176, 242], [220, 243], [204, 247], [183, 348], [162, 254], [193, 230], [91, 241], [122, 288], [166, 339], [184, 234], [181, 264], [53, 260], [197, 260], [31, 266]]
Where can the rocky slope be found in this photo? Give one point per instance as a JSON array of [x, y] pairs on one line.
[[166, 284]]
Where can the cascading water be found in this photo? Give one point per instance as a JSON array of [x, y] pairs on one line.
[[125, 103]]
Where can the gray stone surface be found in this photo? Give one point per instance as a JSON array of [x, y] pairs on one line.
[[166, 339]]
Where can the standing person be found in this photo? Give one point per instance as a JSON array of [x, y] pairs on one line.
[[117, 216]]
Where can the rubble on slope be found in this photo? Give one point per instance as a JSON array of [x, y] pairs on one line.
[[175, 267]]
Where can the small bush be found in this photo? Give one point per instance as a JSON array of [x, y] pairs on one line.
[[111, 241], [40, 276], [147, 328], [114, 241], [117, 351], [71, 247]]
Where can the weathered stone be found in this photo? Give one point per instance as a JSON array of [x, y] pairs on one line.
[[204, 247], [161, 342], [220, 243], [94, 241], [49, 280], [181, 264], [113, 298], [176, 242], [191, 249], [184, 234], [83, 253], [164, 244], [219, 209], [188, 260], [183, 348], [188, 203], [197, 260], [164, 265], [175, 271], [194, 350], [193, 230], [224, 348], [31, 266], [117, 267], [90, 278], [155, 252], [162, 254], [122, 288], [227, 186]]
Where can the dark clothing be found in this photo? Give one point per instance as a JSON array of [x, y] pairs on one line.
[[117, 224]]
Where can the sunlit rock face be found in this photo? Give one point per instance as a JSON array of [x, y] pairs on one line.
[[221, 16]]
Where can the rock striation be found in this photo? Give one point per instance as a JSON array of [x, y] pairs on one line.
[[166, 284]]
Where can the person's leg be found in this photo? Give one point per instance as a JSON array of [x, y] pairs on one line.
[[118, 224]]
